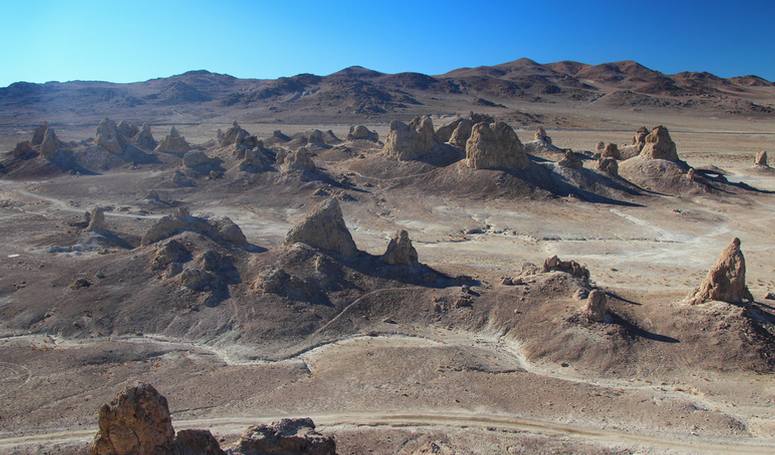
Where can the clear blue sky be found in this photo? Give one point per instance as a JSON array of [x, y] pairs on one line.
[[131, 40]]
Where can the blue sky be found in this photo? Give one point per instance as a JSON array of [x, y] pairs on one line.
[[133, 40]]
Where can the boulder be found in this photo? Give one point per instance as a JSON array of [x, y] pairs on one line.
[[109, 138], [410, 142], [199, 280], [286, 437], [495, 146], [400, 250], [571, 160], [361, 133], [461, 133], [659, 145], [596, 306], [761, 159], [144, 138], [323, 228], [173, 143], [725, 280], [136, 422], [229, 231], [196, 442], [611, 150], [608, 165], [555, 264]]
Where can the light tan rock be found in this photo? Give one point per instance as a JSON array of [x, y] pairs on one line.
[[136, 422], [659, 145], [400, 250], [571, 160], [725, 280], [611, 151], [361, 133], [409, 142], [297, 161], [323, 228], [608, 165], [540, 135], [639, 138], [144, 138], [461, 133], [596, 306], [173, 143], [109, 138], [555, 264], [495, 146], [50, 144], [97, 220]]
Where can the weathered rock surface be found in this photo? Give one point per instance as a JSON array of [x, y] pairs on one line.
[[555, 264], [596, 306], [296, 161], [97, 220], [323, 227], [136, 422], [725, 280], [461, 133], [39, 133], [639, 138], [611, 151], [233, 135], [608, 165], [144, 138], [571, 160], [196, 442], [173, 143], [761, 159], [400, 250], [198, 162], [50, 146], [410, 142], [495, 146], [286, 437], [256, 159], [220, 230], [168, 253], [361, 133], [540, 135], [109, 138], [659, 145]]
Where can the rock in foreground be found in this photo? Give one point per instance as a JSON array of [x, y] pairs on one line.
[[726, 278], [286, 437]]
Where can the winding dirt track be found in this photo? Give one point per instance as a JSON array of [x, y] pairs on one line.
[[454, 419]]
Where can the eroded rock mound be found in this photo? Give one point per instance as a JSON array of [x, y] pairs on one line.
[[400, 250], [296, 162], [198, 162], [323, 228], [144, 138], [540, 135], [286, 437], [725, 280], [39, 133], [50, 146], [109, 138], [196, 442], [659, 145], [608, 165], [361, 133], [220, 230], [461, 133], [495, 146], [136, 422], [571, 160], [234, 135], [173, 143], [410, 142], [611, 151], [555, 264], [96, 220]]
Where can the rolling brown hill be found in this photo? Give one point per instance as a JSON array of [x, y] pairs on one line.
[[357, 93]]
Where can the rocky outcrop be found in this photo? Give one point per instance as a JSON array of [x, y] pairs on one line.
[[97, 220], [596, 306], [461, 133], [725, 280], [400, 250], [608, 165], [409, 142], [555, 264], [323, 228], [761, 160], [286, 437], [540, 135], [109, 138], [50, 145], [38, 133], [659, 145], [168, 253], [196, 442], [361, 133], [571, 160], [136, 422], [222, 230], [144, 138], [234, 135], [127, 129], [296, 161], [256, 159], [611, 150], [639, 138], [495, 146], [173, 143], [198, 162]]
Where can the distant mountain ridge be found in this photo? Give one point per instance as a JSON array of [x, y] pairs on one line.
[[357, 92]]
